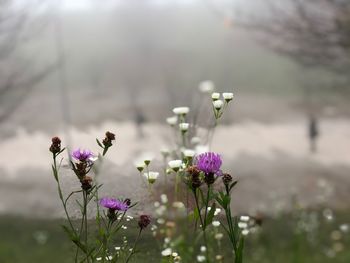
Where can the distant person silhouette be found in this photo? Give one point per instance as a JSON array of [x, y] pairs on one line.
[[313, 133]]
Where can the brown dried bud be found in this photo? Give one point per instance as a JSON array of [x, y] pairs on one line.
[[107, 141], [86, 183], [144, 221], [110, 136], [226, 179], [195, 178], [56, 145]]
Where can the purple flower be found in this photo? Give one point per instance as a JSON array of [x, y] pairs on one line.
[[83, 155], [114, 204], [209, 162]]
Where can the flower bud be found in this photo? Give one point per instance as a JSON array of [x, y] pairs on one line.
[[144, 221]]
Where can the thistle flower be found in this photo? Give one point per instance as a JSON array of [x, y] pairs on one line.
[[83, 155], [114, 204], [181, 110], [209, 162], [218, 104], [151, 176], [206, 86], [172, 120], [215, 96], [228, 96], [144, 221], [175, 165], [184, 126]]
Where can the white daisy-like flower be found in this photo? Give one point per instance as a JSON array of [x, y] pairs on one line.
[[178, 205], [215, 96], [344, 228], [217, 211], [140, 165], [245, 232], [117, 248], [151, 176], [244, 218], [228, 96], [184, 126], [200, 258], [181, 110], [219, 236], [174, 254], [165, 152], [203, 249], [175, 164], [195, 140], [166, 252], [156, 204], [242, 225], [218, 104], [216, 223], [172, 120], [189, 153], [206, 86], [160, 221], [164, 198]]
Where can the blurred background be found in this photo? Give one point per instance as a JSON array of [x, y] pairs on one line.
[[78, 68]]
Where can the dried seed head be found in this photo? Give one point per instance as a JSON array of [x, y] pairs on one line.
[[226, 178], [144, 221]]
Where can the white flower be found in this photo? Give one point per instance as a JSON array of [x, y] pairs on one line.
[[219, 236], [344, 228], [178, 205], [156, 204], [140, 165], [160, 221], [167, 240], [242, 225], [195, 140], [172, 120], [244, 218], [203, 249], [184, 126], [202, 149], [245, 232], [151, 176], [117, 248], [175, 164], [200, 258], [181, 110], [216, 223], [227, 96], [166, 252], [218, 104], [189, 153], [163, 198], [215, 96], [174, 254], [206, 86], [165, 152], [217, 211]]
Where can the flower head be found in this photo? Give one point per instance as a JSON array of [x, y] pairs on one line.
[[56, 145], [218, 104], [175, 164], [206, 86], [114, 204], [228, 96], [144, 221], [215, 96], [171, 120], [181, 110], [209, 162], [184, 126], [83, 155], [151, 176]]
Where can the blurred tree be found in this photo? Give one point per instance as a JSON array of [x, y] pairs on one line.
[[20, 22]]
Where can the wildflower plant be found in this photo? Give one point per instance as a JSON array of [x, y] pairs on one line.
[[93, 242], [200, 183]]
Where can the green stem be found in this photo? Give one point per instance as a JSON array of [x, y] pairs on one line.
[[133, 247]]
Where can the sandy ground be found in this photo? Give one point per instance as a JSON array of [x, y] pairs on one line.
[[272, 162]]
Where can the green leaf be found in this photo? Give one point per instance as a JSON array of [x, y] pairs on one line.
[[232, 185], [99, 143], [210, 215]]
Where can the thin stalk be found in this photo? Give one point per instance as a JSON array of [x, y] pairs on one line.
[[133, 247]]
